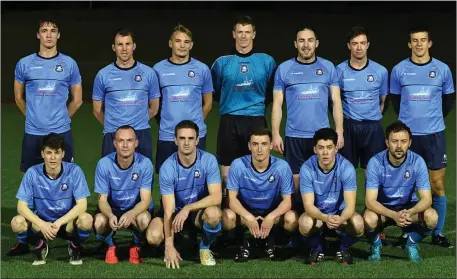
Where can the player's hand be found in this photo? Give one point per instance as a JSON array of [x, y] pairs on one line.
[[126, 220], [253, 225], [57, 226], [265, 228], [180, 219], [48, 230], [113, 223], [333, 222], [407, 216], [340, 142], [400, 218], [172, 257], [278, 144]]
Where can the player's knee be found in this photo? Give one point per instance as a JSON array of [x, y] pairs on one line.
[[370, 220], [84, 221], [430, 218], [357, 225], [212, 216], [100, 223], [143, 220], [305, 225], [154, 236], [290, 221], [228, 219], [18, 224]]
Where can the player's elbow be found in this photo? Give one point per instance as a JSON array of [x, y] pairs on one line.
[[217, 198], [369, 204]]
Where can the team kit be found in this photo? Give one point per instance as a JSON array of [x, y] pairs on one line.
[[242, 196]]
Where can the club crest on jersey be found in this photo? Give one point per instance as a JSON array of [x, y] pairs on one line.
[[444, 159], [138, 78], [59, 68], [432, 74], [64, 187], [319, 72], [407, 174], [197, 174], [135, 176], [370, 78], [191, 74], [244, 68], [271, 178]]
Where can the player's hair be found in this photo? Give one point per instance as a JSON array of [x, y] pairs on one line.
[[181, 29], [357, 31], [53, 141], [124, 32], [417, 29], [325, 134], [306, 27], [47, 21], [125, 127], [186, 124], [397, 126], [261, 132], [244, 20]]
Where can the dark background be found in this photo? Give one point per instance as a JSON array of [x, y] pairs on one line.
[[87, 30]]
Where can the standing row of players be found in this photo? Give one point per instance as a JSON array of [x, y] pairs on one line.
[[52, 198], [127, 92]]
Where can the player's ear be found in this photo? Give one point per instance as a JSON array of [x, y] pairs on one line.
[[114, 143], [134, 46], [387, 143], [38, 35], [317, 43], [136, 143], [349, 46], [253, 35], [368, 45], [170, 44], [113, 47], [234, 34], [295, 44], [176, 141], [191, 45], [42, 154], [430, 43], [410, 141], [409, 45], [58, 35], [314, 149]]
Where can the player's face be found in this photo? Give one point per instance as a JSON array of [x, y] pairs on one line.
[[124, 47], [244, 35], [260, 147], [306, 44], [325, 151], [398, 144], [359, 47], [180, 44], [52, 158], [125, 142], [187, 141], [48, 35], [419, 44]]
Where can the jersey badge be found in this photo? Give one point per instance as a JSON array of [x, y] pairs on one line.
[[432, 74], [64, 187], [370, 78], [197, 174], [138, 78], [319, 72], [135, 176], [59, 68], [271, 178], [244, 68], [407, 174], [191, 74]]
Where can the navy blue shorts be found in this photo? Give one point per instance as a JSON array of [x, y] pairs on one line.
[[166, 148], [144, 143], [362, 140], [189, 224], [233, 136], [432, 148], [297, 151], [31, 150]]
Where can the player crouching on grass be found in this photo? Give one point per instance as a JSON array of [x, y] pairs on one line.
[[328, 188], [58, 192], [393, 177], [123, 180], [259, 192]]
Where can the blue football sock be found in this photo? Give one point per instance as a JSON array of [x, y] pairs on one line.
[[313, 241], [108, 239], [209, 235], [22, 237], [136, 237], [439, 204], [81, 236], [417, 233], [347, 241]]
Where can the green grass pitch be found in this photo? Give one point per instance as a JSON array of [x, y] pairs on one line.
[[87, 132]]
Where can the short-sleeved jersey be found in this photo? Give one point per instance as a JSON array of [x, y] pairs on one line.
[[48, 82], [306, 89], [126, 94], [188, 184], [421, 87], [241, 81], [397, 185], [182, 87], [361, 89], [123, 185], [53, 198], [260, 192], [328, 188]]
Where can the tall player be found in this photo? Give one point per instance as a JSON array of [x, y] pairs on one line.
[[328, 187], [43, 83], [187, 92], [126, 92], [422, 93], [364, 86], [190, 185], [240, 81], [57, 191], [308, 81], [393, 178]]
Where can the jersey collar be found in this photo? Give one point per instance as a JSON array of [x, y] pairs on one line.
[[180, 163], [390, 163], [358, 70], [126, 69], [269, 165], [119, 166], [58, 175], [334, 165], [173, 63], [303, 63], [423, 64], [47, 58], [237, 53]]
